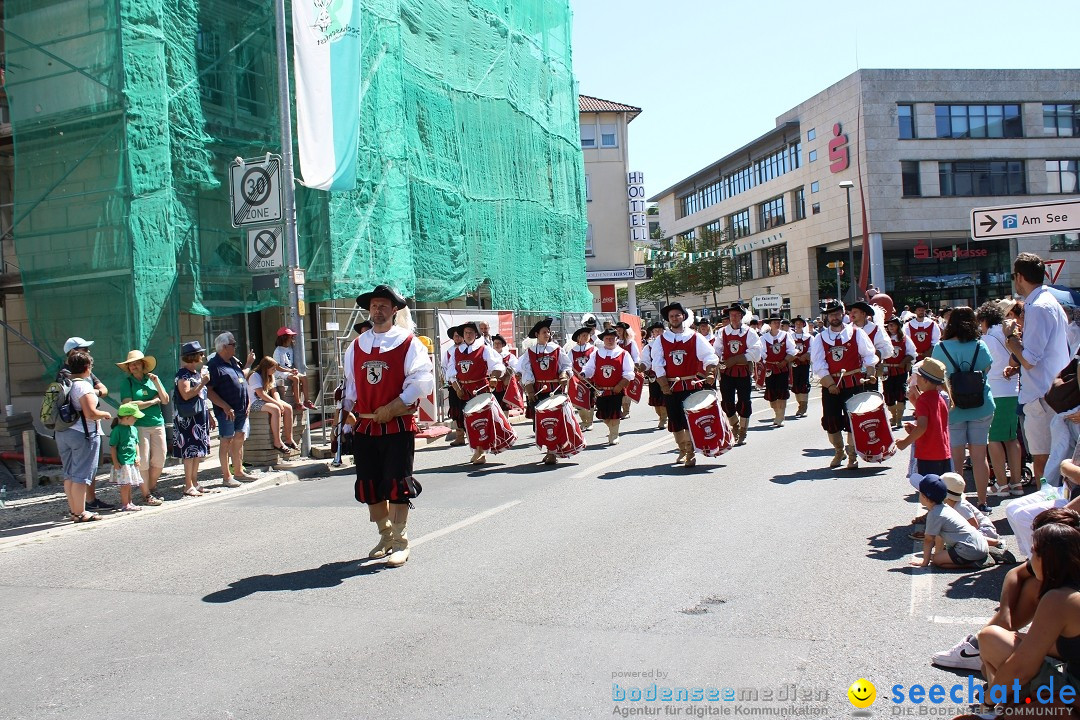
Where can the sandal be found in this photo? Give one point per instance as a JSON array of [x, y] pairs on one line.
[[130, 507], [917, 535], [193, 492], [85, 517], [152, 500], [292, 446], [283, 449]]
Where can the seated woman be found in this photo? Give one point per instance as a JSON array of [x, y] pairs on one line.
[[1054, 636], [264, 397]]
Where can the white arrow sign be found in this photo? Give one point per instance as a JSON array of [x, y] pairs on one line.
[[1003, 221]]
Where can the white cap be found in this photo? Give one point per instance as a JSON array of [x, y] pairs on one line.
[[76, 342]]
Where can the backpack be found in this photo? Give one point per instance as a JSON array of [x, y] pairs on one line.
[[966, 387], [58, 412]]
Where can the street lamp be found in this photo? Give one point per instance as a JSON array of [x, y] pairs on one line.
[[847, 185]]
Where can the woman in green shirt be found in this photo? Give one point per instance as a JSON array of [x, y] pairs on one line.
[[143, 388]]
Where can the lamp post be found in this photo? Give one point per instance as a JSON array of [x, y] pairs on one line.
[[847, 185]]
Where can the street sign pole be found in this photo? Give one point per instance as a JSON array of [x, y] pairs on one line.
[[292, 249]]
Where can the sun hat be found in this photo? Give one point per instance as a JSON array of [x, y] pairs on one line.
[[149, 361], [933, 370], [192, 348], [130, 410], [954, 484]]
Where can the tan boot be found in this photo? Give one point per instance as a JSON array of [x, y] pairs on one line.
[[740, 437], [550, 459], [386, 538], [852, 457], [399, 518], [459, 438], [586, 419], [662, 423], [479, 457], [898, 416], [802, 400], [837, 441], [613, 432], [733, 423], [779, 408], [625, 408]]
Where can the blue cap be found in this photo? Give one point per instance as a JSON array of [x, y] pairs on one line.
[[933, 487]]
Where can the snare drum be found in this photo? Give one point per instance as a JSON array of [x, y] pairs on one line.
[[759, 375], [557, 428], [486, 425], [709, 429], [580, 393], [870, 431], [635, 388]]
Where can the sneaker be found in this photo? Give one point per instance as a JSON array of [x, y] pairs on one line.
[[984, 508], [962, 656], [1002, 555], [97, 504]]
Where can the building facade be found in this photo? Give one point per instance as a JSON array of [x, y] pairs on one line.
[[917, 150], [609, 257]]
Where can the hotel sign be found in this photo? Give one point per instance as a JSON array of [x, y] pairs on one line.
[[635, 198]]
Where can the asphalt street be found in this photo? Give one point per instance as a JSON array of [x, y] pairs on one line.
[[532, 591]]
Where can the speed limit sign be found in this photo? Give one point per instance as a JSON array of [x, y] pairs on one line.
[[255, 190]]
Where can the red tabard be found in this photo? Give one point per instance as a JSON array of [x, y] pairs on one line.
[[776, 351], [608, 372], [921, 338], [681, 360], [580, 358], [379, 378], [895, 364], [730, 346], [471, 367], [843, 357], [545, 366], [801, 345]]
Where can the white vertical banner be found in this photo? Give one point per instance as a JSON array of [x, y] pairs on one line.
[[326, 53]]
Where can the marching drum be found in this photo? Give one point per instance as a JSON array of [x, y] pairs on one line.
[[709, 429], [635, 388], [487, 426], [579, 393], [557, 428], [759, 375], [870, 429]]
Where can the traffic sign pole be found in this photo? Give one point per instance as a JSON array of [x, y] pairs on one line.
[[292, 249]]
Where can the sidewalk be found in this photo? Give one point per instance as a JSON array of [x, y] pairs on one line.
[[42, 512]]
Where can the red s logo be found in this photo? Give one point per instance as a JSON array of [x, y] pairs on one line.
[[839, 157]]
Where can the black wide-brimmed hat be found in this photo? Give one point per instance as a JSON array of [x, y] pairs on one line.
[[381, 291], [725, 313], [773, 318], [609, 331], [452, 331], [860, 305], [360, 327], [623, 325], [736, 307], [589, 320], [703, 321], [833, 307], [545, 323], [469, 326], [655, 326], [579, 331], [919, 304], [798, 318], [673, 306], [192, 348]]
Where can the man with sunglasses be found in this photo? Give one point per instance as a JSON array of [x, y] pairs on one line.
[[72, 345]]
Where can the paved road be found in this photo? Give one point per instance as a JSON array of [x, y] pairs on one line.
[[530, 591]]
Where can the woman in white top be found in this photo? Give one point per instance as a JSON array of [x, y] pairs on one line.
[[262, 396], [287, 371], [1004, 444]]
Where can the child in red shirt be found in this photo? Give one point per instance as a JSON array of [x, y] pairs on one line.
[[930, 431]]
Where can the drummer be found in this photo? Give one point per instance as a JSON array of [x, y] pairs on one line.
[[498, 343], [923, 331], [704, 329], [838, 355], [862, 315], [453, 402], [737, 346], [800, 366], [627, 343], [580, 352], [683, 362], [896, 369], [476, 368], [610, 369], [656, 394], [778, 351], [544, 368]]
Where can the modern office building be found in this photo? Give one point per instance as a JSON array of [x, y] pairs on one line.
[[917, 150]]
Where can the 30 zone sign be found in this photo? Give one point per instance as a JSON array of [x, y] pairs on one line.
[[255, 191]]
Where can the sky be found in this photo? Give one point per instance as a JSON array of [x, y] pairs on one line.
[[712, 75]]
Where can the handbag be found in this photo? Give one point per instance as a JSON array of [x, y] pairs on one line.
[[1064, 393]]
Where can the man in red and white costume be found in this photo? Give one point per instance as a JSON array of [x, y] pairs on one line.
[[800, 366], [475, 368], [777, 352], [387, 371], [610, 369], [896, 369], [627, 343], [838, 355], [544, 368], [684, 363], [454, 405], [737, 347], [656, 393], [862, 316], [580, 352], [923, 331]]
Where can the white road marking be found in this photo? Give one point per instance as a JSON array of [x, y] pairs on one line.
[[945, 620], [922, 583], [462, 524]]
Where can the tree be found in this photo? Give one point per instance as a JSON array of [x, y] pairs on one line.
[[669, 273], [716, 270]]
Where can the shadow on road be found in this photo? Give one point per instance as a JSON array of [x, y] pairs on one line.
[[984, 583], [892, 544], [814, 452], [325, 576], [704, 467]]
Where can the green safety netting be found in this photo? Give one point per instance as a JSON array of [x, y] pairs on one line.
[[127, 113]]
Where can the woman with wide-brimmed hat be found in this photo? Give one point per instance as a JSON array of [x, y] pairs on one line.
[[143, 388]]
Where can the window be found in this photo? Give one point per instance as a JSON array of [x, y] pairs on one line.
[[800, 203], [771, 213], [979, 121], [814, 187], [689, 237], [744, 267], [208, 52], [982, 177], [727, 186], [609, 137], [1068, 241], [588, 189], [713, 231], [811, 134], [775, 260], [778, 163], [815, 208], [1061, 176], [739, 224], [909, 173], [1061, 120], [588, 136], [589, 240], [811, 156], [905, 116]]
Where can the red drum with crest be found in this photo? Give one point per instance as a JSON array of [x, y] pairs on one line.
[[580, 393], [870, 430], [709, 429], [635, 388], [759, 375], [486, 426], [557, 428]]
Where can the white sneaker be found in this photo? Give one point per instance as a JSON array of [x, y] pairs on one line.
[[962, 656]]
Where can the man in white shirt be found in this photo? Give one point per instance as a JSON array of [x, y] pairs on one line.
[[923, 331], [544, 367], [656, 394], [610, 369], [387, 371], [778, 351], [737, 347], [474, 368], [862, 315], [623, 340], [1042, 349], [453, 402]]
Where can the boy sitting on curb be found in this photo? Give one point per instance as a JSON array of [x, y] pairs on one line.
[[950, 542], [955, 486]]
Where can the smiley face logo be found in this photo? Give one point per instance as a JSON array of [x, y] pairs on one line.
[[862, 693]]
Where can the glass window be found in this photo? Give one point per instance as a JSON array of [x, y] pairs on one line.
[[588, 189], [771, 213], [744, 267], [909, 172], [800, 203], [739, 224], [811, 156], [905, 115], [814, 187], [609, 137], [208, 51], [588, 136], [1068, 241], [811, 134], [815, 208], [588, 240], [982, 177], [775, 260], [1061, 176], [713, 231], [1061, 120], [978, 121]]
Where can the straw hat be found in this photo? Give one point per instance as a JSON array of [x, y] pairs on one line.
[[149, 360]]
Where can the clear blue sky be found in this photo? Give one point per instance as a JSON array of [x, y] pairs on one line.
[[711, 75]]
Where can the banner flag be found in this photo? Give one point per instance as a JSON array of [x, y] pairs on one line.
[[326, 55]]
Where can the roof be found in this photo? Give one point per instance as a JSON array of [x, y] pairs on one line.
[[778, 131], [588, 103]]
